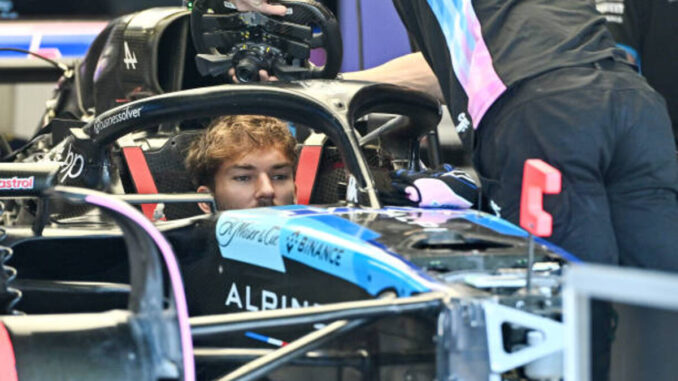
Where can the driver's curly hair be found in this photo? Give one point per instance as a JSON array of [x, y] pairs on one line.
[[229, 138]]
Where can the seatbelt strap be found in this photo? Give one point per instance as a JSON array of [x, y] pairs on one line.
[[141, 177]]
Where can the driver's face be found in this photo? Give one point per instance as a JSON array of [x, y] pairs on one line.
[[263, 177]]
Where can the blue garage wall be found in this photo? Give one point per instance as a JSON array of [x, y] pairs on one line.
[[384, 35]]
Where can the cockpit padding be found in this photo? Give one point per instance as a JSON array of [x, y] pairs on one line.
[[170, 174]]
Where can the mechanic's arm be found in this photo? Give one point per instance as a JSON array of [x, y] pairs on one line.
[[410, 70]]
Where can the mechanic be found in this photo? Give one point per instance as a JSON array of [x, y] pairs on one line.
[[245, 161], [648, 31]]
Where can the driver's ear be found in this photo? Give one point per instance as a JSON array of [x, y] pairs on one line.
[[205, 207]]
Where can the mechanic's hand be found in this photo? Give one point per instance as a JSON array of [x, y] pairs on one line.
[[447, 188], [262, 6], [263, 76]]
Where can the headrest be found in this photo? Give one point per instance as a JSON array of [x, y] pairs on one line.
[[137, 55], [169, 172]]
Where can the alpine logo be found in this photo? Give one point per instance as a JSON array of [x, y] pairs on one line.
[[17, 183], [462, 123], [130, 58]]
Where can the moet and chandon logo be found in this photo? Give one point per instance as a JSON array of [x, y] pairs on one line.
[[252, 240], [247, 231]]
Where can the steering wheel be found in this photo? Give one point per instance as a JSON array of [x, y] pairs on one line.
[[249, 41]]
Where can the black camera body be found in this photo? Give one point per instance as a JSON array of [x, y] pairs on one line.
[[252, 58], [249, 41]]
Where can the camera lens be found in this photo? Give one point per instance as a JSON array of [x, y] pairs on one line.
[[247, 70]]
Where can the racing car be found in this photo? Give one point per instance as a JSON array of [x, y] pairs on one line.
[[347, 289]]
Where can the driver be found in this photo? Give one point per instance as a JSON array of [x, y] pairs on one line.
[[245, 161], [248, 161]]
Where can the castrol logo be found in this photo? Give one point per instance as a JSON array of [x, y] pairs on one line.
[[17, 183]]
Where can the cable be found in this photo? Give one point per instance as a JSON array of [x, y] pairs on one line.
[[54, 63]]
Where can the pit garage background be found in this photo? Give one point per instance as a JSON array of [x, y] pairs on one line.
[[645, 337]]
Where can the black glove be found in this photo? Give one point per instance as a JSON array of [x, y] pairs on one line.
[[446, 188]]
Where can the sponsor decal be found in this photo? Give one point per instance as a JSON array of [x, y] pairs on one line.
[[495, 208], [247, 231], [352, 190], [322, 244], [244, 299], [299, 244], [613, 10], [130, 59], [72, 166], [17, 183], [122, 116], [607, 7], [252, 239], [266, 237], [614, 19]]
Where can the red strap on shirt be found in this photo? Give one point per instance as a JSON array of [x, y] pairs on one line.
[[7, 358], [141, 176], [307, 170]]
